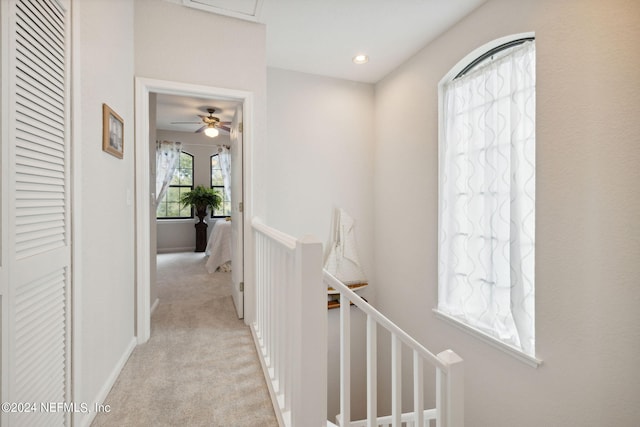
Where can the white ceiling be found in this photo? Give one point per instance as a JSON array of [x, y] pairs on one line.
[[322, 36]]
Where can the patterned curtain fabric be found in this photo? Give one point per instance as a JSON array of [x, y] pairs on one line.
[[224, 157], [167, 160], [487, 199]]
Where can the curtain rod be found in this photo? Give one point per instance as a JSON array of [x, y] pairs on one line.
[[492, 52]]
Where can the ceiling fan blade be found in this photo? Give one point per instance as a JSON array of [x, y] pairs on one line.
[[224, 128], [185, 123], [201, 129], [226, 123]]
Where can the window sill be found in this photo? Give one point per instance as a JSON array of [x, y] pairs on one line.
[[174, 220], [494, 342]]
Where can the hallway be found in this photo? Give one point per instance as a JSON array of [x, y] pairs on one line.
[[200, 366]]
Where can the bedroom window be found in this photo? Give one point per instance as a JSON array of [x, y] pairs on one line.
[[217, 183], [169, 206], [487, 195]]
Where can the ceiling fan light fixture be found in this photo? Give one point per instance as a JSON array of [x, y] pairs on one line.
[[360, 59], [211, 132]]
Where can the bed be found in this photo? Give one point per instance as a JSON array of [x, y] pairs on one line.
[[219, 247]]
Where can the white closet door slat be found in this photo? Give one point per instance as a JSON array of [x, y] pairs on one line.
[[36, 66], [42, 180], [52, 18], [30, 104], [32, 116], [38, 219], [26, 161], [27, 154], [40, 49], [26, 170], [39, 89], [47, 39]]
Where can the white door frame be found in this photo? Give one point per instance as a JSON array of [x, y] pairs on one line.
[[143, 87]]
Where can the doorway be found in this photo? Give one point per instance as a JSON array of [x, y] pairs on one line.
[[145, 199]]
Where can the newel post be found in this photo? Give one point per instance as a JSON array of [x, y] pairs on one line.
[[450, 391], [309, 400]]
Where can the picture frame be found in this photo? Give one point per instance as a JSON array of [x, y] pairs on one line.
[[112, 132]]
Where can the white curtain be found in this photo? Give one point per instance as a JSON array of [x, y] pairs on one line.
[[167, 160], [487, 199], [224, 157]]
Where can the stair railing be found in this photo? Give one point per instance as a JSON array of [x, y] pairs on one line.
[[449, 409], [290, 328], [290, 333]]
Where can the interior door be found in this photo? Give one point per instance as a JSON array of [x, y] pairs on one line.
[[36, 202], [237, 215]]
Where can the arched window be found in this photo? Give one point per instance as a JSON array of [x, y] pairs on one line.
[[182, 182], [487, 193], [217, 183]]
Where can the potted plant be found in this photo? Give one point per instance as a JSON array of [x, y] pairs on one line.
[[201, 198]]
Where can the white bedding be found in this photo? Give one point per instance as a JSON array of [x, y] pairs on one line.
[[219, 245]]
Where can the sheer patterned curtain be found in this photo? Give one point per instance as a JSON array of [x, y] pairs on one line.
[[487, 199], [167, 160], [224, 157]]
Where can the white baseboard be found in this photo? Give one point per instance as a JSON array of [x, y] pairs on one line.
[[106, 388], [172, 250], [154, 306]]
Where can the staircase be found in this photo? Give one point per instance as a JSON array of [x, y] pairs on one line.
[[290, 332]]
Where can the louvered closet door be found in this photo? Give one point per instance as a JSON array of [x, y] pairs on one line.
[[38, 210]]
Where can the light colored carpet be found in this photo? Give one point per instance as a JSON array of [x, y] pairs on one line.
[[200, 367]]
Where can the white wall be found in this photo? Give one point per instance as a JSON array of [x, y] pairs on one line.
[[180, 234], [320, 157], [587, 249], [106, 196]]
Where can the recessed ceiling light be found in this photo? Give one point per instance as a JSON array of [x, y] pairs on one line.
[[360, 59]]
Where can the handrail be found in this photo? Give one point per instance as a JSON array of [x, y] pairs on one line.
[[277, 235], [384, 321], [449, 409]]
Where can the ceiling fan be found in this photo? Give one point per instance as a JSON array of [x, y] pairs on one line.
[[212, 125]]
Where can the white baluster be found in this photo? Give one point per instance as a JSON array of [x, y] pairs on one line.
[[263, 292], [345, 360], [270, 313], [288, 377], [256, 239], [267, 300], [372, 373], [418, 389], [396, 380]]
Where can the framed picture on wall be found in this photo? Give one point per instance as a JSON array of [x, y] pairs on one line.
[[112, 132]]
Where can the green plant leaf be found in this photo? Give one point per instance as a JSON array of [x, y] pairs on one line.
[[201, 198]]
